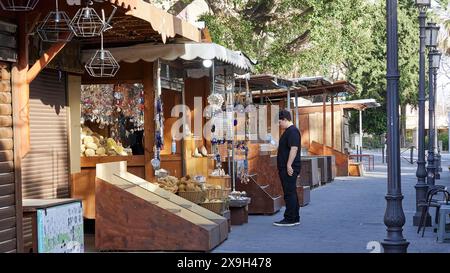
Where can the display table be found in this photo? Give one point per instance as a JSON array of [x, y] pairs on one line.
[[83, 183], [57, 225], [239, 211], [135, 215]]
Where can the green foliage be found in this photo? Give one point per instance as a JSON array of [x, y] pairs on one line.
[[324, 37], [443, 136]]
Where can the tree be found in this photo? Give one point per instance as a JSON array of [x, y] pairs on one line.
[[337, 39], [368, 69]]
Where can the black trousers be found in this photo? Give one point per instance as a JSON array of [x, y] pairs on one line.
[[289, 184]]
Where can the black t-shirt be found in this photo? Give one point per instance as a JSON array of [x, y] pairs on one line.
[[290, 137]]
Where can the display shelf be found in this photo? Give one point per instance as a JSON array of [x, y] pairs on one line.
[[126, 205]]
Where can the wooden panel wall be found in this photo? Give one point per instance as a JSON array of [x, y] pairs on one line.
[[8, 217]]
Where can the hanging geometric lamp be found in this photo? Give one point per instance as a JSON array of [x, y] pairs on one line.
[[56, 27], [87, 23], [102, 64], [18, 5]]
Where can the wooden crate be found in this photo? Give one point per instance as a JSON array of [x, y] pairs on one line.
[[309, 174]]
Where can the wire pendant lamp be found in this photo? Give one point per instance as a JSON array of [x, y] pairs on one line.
[[18, 5], [102, 64], [87, 23], [56, 27]]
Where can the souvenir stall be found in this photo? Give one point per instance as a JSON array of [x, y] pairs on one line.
[[122, 119], [205, 128], [323, 162], [44, 69], [155, 84]]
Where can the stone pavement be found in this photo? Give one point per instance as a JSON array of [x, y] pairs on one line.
[[343, 217]]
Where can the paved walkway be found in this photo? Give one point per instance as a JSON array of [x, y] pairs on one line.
[[343, 216]]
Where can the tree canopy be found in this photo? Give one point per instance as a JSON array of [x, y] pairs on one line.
[[337, 39]]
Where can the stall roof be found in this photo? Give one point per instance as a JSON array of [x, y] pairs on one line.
[[352, 104], [313, 81], [164, 23], [309, 86], [267, 82], [185, 51], [276, 87], [135, 20]]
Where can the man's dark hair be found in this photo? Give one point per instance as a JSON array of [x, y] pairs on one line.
[[285, 114]]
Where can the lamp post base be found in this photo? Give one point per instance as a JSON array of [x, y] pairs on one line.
[[395, 247], [416, 220]]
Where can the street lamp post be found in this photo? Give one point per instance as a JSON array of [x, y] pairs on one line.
[[421, 173], [394, 217], [433, 59], [436, 64]]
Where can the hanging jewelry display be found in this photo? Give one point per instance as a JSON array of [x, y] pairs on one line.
[[18, 5], [97, 104], [87, 23], [102, 64], [56, 27], [159, 120]]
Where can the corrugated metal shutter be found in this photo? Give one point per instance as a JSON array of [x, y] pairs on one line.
[[45, 170], [8, 219]]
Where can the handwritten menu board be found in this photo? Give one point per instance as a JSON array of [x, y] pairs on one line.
[[60, 229]]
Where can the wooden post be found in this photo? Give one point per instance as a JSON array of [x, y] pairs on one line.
[[332, 121], [296, 111], [149, 124], [324, 122]]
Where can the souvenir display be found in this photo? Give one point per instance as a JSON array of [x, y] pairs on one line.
[[116, 112], [94, 144]]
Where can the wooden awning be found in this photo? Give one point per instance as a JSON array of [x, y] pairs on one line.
[[163, 22], [359, 105]]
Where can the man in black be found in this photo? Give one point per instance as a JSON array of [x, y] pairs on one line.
[[288, 162]]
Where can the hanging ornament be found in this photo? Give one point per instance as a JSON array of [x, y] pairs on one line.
[[239, 108], [18, 5], [56, 27], [102, 64], [87, 23]]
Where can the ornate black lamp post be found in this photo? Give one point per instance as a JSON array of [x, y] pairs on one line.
[[421, 173], [394, 217], [431, 42], [436, 63]]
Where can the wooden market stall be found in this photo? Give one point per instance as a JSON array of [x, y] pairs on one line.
[[44, 79], [184, 81], [268, 90]]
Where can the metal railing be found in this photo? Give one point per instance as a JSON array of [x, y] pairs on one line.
[[410, 149]]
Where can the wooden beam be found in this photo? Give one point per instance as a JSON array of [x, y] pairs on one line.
[[20, 95], [45, 59], [206, 36], [332, 121], [324, 121], [21, 92]]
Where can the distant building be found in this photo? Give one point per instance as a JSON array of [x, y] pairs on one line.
[[442, 106]]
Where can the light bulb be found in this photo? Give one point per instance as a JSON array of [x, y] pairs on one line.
[[207, 63]]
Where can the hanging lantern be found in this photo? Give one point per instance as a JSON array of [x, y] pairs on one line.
[[18, 5], [102, 64], [56, 27], [87, 23]]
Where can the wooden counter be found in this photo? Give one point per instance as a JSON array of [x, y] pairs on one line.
[[83, 183]]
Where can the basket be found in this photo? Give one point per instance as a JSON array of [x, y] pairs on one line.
[[217, 193], [196, 197], [216, 207]]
